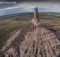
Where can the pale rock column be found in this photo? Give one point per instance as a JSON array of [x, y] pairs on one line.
[[36, 22]]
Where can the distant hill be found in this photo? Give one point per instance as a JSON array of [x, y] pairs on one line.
[[27, 13], [17, 14]]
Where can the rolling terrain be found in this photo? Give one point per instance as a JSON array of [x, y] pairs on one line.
[[48, 34]]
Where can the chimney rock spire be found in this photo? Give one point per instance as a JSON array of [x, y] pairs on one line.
[[36, 14]]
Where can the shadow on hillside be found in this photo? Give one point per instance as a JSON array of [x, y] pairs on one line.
[[56, 33]]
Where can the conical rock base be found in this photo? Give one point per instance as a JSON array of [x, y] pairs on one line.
[[40, 43]]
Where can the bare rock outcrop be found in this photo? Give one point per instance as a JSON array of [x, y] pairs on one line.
[[36, 21], [40, 43]]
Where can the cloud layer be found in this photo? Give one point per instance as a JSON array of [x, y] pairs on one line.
[[29, 7]]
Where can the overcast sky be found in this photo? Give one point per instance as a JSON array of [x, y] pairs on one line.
[[29, 7]]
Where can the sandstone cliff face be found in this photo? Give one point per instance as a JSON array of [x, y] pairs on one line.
[[40, 42]]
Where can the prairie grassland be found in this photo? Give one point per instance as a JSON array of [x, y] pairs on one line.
[[8, 25], [51, 21]]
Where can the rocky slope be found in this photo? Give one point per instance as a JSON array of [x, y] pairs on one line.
[[39, 42]]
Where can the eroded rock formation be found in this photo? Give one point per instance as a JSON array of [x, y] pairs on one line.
[[40, 42], [36, 20]]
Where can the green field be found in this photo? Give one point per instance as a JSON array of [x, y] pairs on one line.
[[11, 24]]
